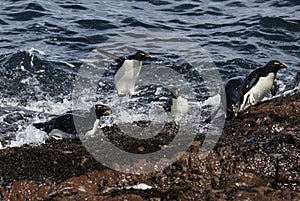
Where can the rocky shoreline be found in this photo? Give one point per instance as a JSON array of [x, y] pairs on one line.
[[257, 158]]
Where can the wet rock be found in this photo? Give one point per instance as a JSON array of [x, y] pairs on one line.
[[257, 158]]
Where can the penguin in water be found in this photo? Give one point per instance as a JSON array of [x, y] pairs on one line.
[[127, 71], [242, 92], [176, 106], [63, 126]]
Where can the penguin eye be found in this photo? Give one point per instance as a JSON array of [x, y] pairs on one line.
[[276, 63]]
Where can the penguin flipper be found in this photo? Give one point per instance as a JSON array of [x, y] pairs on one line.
[[167, 105], [110, 55], [274, 89], [252, 80]]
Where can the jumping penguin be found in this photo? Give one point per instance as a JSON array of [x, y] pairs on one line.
[[242, 92], [127, 71]]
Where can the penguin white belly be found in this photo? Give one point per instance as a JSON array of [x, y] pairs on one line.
[[59, 135], [126, 76], [258, 91], [93, 130], [179, 108]]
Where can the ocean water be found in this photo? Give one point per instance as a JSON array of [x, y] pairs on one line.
[[48, 53]]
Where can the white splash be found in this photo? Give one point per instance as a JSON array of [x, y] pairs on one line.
[[26, 133], [50, 107], [30, 135], [213, 101]]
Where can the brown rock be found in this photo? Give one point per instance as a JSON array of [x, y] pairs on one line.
[[257, 158]]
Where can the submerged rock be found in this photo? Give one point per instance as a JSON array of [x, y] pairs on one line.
[[257, 158]]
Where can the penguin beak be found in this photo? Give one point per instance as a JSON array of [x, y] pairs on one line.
[[106, 113], [106, 109], [148, 56], [283, 65]]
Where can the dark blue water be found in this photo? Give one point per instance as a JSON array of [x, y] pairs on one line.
[[43, 45]]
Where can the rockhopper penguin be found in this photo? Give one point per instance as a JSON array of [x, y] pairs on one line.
[[242, 92], [127, 71], [65, 123]]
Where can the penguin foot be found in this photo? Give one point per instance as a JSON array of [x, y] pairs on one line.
[[248, 101], [251, 99]]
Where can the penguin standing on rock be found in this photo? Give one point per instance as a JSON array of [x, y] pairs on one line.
[[242, 92], [128, 70], [176, 106], [69, 124]]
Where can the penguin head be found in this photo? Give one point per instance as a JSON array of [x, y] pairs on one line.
[[140, 56], [102, 110], [175, 93], [275, 66]]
